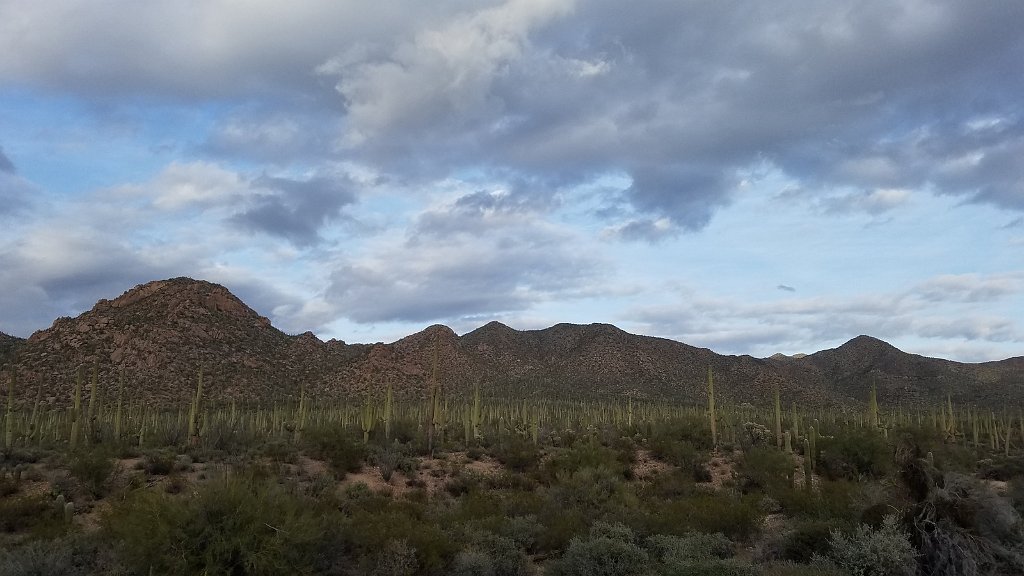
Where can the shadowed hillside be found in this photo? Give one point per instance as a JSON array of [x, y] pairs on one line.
[[159, 334]]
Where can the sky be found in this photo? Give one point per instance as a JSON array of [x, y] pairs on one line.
[[751, 177]]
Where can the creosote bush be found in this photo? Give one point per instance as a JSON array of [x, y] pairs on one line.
[[868, 552], [232, 525]]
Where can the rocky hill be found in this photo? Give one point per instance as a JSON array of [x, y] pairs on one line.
[[159, 334]]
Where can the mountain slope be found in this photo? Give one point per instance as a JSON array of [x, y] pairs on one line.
[[159, 334]]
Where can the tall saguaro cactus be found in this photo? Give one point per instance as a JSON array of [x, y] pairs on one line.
[[9, 419], [778, 420], [873, 407], [193, 411], [76, 411], [389, 410], [711, 409]]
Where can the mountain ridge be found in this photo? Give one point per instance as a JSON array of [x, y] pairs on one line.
[[160, 333]]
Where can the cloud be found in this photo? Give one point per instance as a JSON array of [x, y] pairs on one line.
[[273, 136], [785, 288], [969, 288], [886, 97], [483, 253], [295, 209], [5, 163], [874, 202], [930, 317]]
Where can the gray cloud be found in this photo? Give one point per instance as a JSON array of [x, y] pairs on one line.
[[968, 288], [680, 97], [484, 253], [946, 313], [5, 163], [295, 209], [785, 288]]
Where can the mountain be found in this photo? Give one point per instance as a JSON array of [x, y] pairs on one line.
[[159, 335], [8, 345]]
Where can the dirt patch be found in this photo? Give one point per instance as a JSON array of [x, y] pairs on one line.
[[722, 467], [432, 474], [647, 466]]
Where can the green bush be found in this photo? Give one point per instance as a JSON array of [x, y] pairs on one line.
[[855, 453], [609, 550], [592, 490], [736, 517], [230, 526], [395, 558], [95, 469], [39, 558], [820, 567], [869, 552], [806, 540], [516, 454], [692, 546], [492, 554], [36, 513], [159, 462], [766, 469], [335, 446], [383, 520]]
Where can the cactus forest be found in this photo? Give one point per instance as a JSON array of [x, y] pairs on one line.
[[474, 483]]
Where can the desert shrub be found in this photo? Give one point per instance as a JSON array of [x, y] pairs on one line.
[[395, 558], [695, 554], [678, 453], [36, 513], [472, 563], [462, 484], [592, 490], [820, 567], [1001, 468], [389, 459], [230, 526], [39, 558], [382, 521], [336, 447], [766, 469], [961, 526], [855, 453], [730, 567], [506, 480], [833, 500], [516, 454], [95, 469], [869, 552], [159, 462], [806, 540], [559, 528], [609, 550], [693, 546], [492, 554], [568, 461], [689, 429], [736, 517], [1015, 492], [669, 486]]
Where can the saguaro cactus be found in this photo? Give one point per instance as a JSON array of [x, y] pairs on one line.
[[9, 419], [873, 408], [193, 412], [778, 420], [389, 409], [711, 409], [75, 412]]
